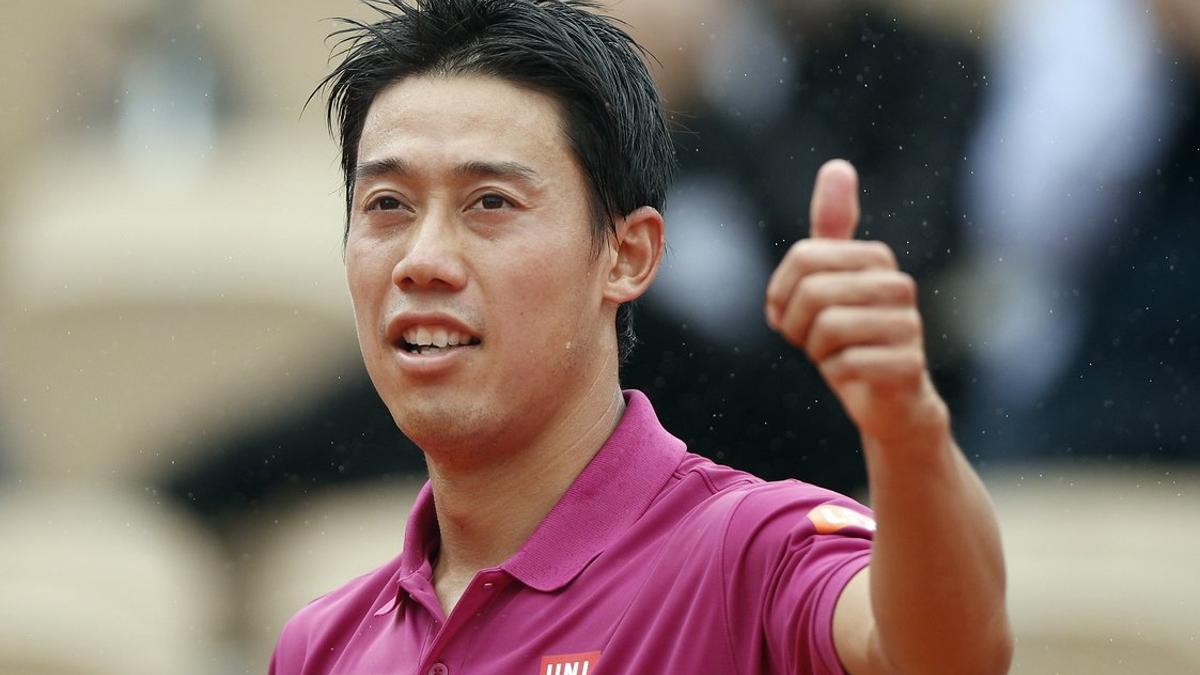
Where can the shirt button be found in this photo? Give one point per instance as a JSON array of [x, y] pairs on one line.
[[439, 669]]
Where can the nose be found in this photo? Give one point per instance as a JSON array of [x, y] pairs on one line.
[[432, 260]]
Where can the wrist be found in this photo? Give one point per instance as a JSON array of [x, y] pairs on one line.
[[926, 443], [926, 425]]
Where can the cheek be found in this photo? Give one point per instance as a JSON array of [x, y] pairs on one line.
[[559, 295], [365, 283], [553, 275]]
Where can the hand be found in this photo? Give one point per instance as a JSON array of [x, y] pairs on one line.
[[850, 308]]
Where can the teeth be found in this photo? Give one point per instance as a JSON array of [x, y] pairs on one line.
[[436, 337]]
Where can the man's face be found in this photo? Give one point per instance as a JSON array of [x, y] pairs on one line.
[[478, 300]]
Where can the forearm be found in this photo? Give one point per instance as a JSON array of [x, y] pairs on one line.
[[932, 599], [937, 569]]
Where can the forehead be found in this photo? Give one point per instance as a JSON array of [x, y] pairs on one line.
[[437, 119]]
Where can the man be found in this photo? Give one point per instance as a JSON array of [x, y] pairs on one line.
[[505, 163]]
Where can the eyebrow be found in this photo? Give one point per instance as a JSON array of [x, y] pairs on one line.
[[381, 167], [473, 169], [508, 170]]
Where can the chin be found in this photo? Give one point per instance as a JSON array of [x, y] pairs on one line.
[[440, 429]]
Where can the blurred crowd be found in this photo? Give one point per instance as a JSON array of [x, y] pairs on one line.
[[189, 448]]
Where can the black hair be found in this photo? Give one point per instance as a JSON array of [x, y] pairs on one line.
[[567, 49]]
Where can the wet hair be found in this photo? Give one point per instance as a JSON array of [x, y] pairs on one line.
[[613, 118]]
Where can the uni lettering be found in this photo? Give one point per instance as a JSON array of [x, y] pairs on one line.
[[569, 664], [573, 668]]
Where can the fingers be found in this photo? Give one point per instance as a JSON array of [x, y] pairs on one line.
[[883, 367], [810, 256], [834, 211], [831, 312], [839, 328], [819, 294], [848, 305], [833, 215]]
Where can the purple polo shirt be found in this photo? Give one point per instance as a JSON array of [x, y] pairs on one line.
[[655, 561]]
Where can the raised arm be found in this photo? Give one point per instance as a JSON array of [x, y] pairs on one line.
[[932, 599]]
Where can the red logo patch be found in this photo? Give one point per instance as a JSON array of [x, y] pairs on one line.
[[570, 664]]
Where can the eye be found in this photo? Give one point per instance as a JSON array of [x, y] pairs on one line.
[[492, 202], [384, 204]]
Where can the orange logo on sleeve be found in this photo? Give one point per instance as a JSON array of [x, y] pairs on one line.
[[829, 518]]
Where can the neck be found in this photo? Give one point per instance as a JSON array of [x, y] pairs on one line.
[[485, 513]]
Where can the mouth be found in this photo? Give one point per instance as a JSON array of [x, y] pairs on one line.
[[434, 340]]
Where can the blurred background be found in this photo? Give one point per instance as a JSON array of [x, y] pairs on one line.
[[190, 449]]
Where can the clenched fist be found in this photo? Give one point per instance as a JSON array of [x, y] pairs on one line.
[[850, 308]]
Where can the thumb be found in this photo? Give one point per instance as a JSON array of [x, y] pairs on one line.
[[834, 210]]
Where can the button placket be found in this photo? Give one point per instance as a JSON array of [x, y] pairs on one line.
[[479, 594]]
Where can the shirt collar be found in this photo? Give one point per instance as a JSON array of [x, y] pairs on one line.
[[615, 488], [420, 535]]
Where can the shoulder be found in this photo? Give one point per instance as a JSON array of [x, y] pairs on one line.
[[774, 523], [741, 514], [333, 616], [778, 551], [745, 501], [805, 508], [756, 524]]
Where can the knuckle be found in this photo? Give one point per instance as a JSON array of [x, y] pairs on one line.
[[906, 285], [815, 349], [798, 249], [827, 322], [861, 365], [825, 332], [913, 366], [807, 255], [912, 321], [885, 254], [776, 294], [915, 361], [810, 290], [841, 368]]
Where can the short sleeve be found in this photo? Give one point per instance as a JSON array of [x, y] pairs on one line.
[[288, 657], [789, 551]]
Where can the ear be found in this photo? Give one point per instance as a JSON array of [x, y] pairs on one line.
[[634, 255]]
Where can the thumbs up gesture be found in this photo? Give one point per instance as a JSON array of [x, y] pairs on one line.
[[849, 307]]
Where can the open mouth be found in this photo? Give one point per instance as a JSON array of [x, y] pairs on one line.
[[424, 340]]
